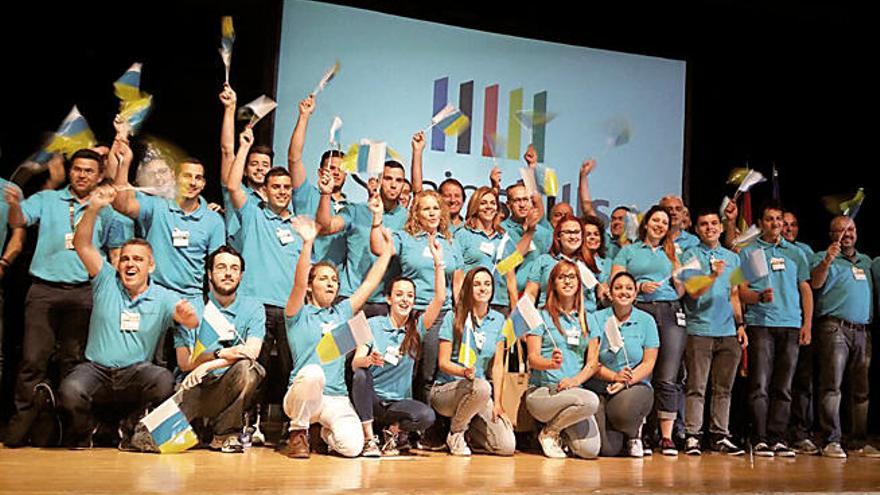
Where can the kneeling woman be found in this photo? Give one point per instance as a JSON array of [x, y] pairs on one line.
[[381, 389], [627, 397], [470, 338], [317, 391], [556, 356]]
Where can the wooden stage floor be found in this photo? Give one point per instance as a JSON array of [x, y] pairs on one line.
[[263, 471]]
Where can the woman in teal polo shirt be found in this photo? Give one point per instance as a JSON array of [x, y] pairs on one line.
[[582, 243], [381, 388], [470, 338], [317, 390], [627, 397], [651, 261], [557, 351]]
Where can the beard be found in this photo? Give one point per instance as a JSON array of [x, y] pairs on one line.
[[225, 292]]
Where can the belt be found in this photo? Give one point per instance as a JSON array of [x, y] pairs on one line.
[[846, 323], [60, 285]]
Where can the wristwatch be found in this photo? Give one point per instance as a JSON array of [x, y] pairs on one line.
[[217, 353]]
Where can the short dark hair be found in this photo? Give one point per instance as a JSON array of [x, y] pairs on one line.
[[193, 160], [702, 212], [88, 154], [209, 261], [276, 172], [330, 154], [452, 181], [136, 241], [394, 164], [622, 274], [772, 204], [624, 208], [263, 150]]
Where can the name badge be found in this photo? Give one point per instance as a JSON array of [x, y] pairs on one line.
[[488, 248], [68, 240], [180, 238], [532, 246], [337, 207], [680, 319], [573, 336], [858, 273], [285, 236], [777, 264], [327, 326], [479, 339], [129, 322], [392, 355], [427, 253]]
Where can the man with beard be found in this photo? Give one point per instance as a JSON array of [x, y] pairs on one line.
[[778, 309], [59, 301], [257, 164], [306, 196], [182, 232], [130, 313], [523, 221], [842, 278], [222, 380], [354, 222]]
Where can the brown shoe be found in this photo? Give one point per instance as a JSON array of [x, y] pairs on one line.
[[297, 445]]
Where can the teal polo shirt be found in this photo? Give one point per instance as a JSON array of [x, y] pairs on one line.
[[246, 314], [233, 223], [181, 241], [417, 264], [304, 331], [807, 250], [479, 249], [570, 340], [875, 276], [4, 212], [483, 340], [392, 382], [541, 275], [847, 293], [711, 314], [270, 249], [790, 270], [542, 240], [327, 247], [612, 246], [112, 343], [648, 264], [639, 332], [684, 241], [358, 221], [58, 213]]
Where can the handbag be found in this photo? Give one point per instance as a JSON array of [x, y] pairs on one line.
[[514, 386]]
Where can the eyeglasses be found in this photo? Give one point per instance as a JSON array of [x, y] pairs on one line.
[[568, 277], [570, 232]]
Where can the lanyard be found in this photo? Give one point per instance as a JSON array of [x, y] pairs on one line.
[[72, 224]]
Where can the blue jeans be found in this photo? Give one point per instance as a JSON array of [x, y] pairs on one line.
[[844, 349], [773, 354], [668, 390], [410, 415], [427, 366]]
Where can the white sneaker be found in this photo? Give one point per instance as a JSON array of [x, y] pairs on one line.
[[457, 444], [371, 447], [634, 448], [550, 445], [868, 451]]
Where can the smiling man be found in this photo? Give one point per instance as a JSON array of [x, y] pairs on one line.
[[130, 313]]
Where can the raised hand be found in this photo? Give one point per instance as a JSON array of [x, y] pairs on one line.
[[418, 142], [246, 138], [122, 128], [588, 166], [495, 177], [12, 195], [375, 204], [307, 106], [436, 249], [305, 227], [228, 97], [531, 156], [325, 181], [102, 196]]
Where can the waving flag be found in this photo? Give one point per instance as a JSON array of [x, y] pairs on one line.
[[328, 76], [523, 318], [344, 338], [467, 354], [747, 237], [755, 268], [256, 110], [134, 104], [73, 135], [169, 428], [213, 328], [226, 41], [335, 132], [844, 205]]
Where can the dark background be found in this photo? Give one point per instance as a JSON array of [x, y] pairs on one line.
[[774, 81]]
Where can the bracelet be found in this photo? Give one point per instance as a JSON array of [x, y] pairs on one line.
[[376, 225], [441, 266]]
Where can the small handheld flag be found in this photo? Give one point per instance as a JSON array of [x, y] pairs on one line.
[[523, 318], [335, 131], [134, 104], [615, 338], [751, 179], [737, 175], [467, 355], [256, 110], [328, 76], [528, 179], [170, 429], [755, 268], [344, 338], [72, 135], [528, 119], [510, 262], [226, 41], [451, 120], [844, 205], [747, 237]]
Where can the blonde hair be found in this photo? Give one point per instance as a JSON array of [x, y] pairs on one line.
[[413, 225]]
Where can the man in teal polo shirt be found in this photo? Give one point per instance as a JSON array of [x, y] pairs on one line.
[[683, 239], [270, 248], [130, 313], [59, 301], [520, 223], [801, 424], [842, 278], [354, 223], [716, 337], [306, 196], [778, 309], [182, 232], [221, 382]]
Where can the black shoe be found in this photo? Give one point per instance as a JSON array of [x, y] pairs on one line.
[[763, 450], [692, 446], [726, 446]]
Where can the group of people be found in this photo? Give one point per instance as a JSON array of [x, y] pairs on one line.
[[624, 351]]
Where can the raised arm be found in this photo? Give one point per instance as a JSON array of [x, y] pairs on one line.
[[433, 309], [126, 202], [819, 274], [327, 223], [185, 314], [298, 140], [377, 240], [12, 195], [82, 238], [308, 231], [536, 360], [233, 181], [56, 173], [374, 276], [584, 196], [227, 132], [730, 230], [418, 149]]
